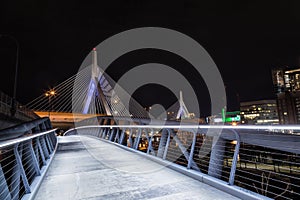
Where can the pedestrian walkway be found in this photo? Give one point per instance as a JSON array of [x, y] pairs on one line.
[[88, 168]]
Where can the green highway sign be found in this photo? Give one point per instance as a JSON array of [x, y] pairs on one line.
[[233, 119], [234, 116]]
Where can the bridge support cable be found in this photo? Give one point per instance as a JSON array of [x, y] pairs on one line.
[[90, 91]]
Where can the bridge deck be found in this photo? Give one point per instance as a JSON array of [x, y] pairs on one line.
[[87, 168]]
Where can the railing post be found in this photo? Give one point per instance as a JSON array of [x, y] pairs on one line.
[[192, 150], [99, 132], [4, 191], [104, 133], [44, 147], [112, 132], [117, 137], [49, 144], [185, 152], [167, 144], [53, 138], [235, 158], [36, 150], [15, 179], [130, 139], [34, 159], [41, 150], [150, 142], [21, 169], [162, 143], [137, 139], [122, 136]]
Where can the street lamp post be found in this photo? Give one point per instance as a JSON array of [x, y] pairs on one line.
[[13, 103], [49, 94]]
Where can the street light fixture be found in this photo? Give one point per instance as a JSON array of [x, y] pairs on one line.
[[13, 103], [50, 94]]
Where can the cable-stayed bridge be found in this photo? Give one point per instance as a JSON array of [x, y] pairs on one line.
[[90, 93], [119, 150]]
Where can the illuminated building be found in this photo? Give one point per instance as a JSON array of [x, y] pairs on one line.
[[259, 112], [286, 83]]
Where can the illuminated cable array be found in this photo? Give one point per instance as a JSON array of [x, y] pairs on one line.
[[70, 96]]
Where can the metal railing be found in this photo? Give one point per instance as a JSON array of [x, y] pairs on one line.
[[24, 160], [254, 160], [22, 113]]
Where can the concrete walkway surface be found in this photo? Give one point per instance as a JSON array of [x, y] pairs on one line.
[[91, 169]]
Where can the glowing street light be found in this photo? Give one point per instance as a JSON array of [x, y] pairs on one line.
[[50, 94]]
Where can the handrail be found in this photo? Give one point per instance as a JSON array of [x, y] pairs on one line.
[[7, 143], [24, 160], [18, 130], [235, 160], [22, 112], [184, 126]]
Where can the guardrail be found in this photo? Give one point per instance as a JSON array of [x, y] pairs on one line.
[[34, 126], [25, 159], [252, 162], [22, 112]]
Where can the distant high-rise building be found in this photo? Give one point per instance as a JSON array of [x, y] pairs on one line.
[[286, 83], [259, 112]]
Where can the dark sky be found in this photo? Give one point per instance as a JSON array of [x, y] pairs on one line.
[[246, 40]]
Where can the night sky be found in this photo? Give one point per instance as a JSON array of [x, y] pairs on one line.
[[245, 40]]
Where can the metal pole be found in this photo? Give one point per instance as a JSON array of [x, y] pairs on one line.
[[192, 150], [49, 106], [13, 106], [5, 193], [235, 158], [167, 144], [150, 142]]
